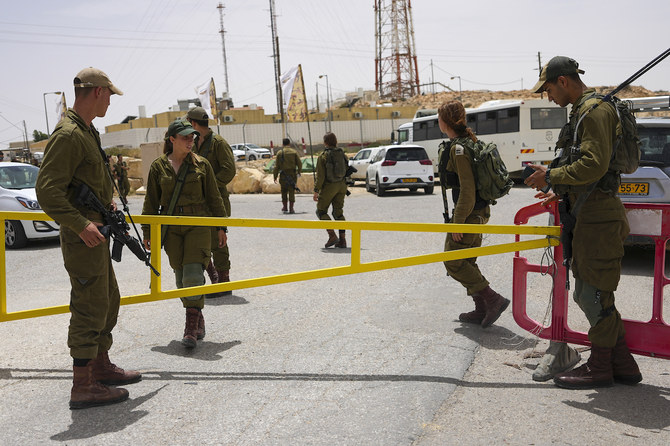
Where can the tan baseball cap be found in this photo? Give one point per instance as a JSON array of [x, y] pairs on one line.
[[197, 113], [92, 77], [557, 66]]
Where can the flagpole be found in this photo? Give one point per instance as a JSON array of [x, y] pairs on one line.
[[309, 130]]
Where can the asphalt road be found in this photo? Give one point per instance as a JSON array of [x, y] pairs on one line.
[[376, 358]]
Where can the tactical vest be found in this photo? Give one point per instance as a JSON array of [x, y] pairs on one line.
[[450, 178], [568, 151], [336, 164]]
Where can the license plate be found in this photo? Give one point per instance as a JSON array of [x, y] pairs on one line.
[[408, 180], [634, 189]]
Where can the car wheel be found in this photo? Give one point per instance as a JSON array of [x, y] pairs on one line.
[[15, 236], [380, 189], [252, 158], [428, 190], [368, 188]]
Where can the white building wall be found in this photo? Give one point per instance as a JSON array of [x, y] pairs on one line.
[[263, 134]]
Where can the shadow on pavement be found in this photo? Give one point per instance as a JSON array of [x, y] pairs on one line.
[[88, 423], [495, 337], [225, 300], [205, 351]]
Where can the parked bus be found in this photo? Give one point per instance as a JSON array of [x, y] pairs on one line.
[[525, 131]]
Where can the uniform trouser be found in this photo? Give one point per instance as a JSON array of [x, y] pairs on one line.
[[124, 186], [94, 298], [287, 188], [597, 250], [221, 255], [188, 248], [332, 193], [466, 271]]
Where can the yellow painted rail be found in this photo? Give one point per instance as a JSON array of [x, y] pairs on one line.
[[355, 266]]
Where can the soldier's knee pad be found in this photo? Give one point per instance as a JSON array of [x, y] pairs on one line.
[[193, 275], [338, 215], [322, 215]]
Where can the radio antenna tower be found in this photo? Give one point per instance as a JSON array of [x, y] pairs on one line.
[[275, 56], [223, 45], [397, 74]]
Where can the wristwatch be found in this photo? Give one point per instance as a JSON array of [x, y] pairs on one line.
[[546, 188]]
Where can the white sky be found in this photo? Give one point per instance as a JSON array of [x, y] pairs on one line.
[[157, 51]]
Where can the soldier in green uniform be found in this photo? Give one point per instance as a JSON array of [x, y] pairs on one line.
[[288, 167], [469, 208], [73, 156], [601, 225], [217, 151], [121, 173], [330, 186], [187, 247]]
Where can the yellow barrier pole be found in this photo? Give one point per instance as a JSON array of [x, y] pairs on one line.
[[3, 273], [355, 247], [155, 258]]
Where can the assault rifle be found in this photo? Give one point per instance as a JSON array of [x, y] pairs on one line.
[[115, 226]]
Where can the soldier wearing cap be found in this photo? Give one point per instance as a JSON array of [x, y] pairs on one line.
[[581, 178], [287, 166], [73, 156], [217, 151], [187, 247]]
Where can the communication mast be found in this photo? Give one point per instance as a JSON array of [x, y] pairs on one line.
[[275, 56], [397, 74], [223, 45]]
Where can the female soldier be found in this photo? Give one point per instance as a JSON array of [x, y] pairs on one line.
[[330, 186], [469, 208], [187, 247]]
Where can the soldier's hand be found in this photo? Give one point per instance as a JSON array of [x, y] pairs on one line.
[[457, 236], [316, 196], [536, 180], [546, 197], [223, 238], [91, 236], [147, 244]]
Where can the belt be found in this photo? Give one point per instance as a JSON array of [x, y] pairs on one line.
[[189, 210]]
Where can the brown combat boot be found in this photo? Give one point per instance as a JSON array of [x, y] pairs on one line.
[[224, 276], [211, 272], [200, 333], [477, 315], [190, 331], [596, 372], [342, 242], [283, 208], [290, 207], [87, 392], [109, 374], [332, 238], [624, 367], [494, 305]]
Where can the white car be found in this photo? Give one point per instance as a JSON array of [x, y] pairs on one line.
[[400, 166], [361, 161], [17, 193], [251, 151]]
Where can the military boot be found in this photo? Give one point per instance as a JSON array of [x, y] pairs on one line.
[[283, 208], [342, 242], [224, 276], [332, 238], [597, 372], [87, 392], [191, 329], [211, 272], [200, 333], [558, 358], [477, 315], [624, 367], [494, 305], [291, 210], [107, 373]]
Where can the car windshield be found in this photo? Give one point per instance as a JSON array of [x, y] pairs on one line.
[[18, 177], [406, 154], [655, 144]]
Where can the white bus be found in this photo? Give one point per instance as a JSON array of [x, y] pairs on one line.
[[525, 131]]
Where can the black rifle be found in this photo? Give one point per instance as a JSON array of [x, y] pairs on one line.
[[115, 227]]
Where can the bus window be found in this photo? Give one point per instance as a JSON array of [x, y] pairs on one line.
[[420, 131], [508, 120], [486, 123], [472, 122], [548, 118], [403, 136], [433, 131]]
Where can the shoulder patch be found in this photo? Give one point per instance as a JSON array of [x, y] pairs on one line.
[[459, 150]]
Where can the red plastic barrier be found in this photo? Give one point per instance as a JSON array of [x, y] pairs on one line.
[[651, 338]]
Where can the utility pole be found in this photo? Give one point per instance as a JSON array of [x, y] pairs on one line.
[[275, 55], [222, 31]]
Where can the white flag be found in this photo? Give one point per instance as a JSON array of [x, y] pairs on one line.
[[207, 95], [287, 80]]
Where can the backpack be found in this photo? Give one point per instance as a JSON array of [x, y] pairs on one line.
[[626, 152], [491, 176], [336, 165]]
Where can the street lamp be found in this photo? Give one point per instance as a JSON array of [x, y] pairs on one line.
[[46, 115], [330, 128], [459, 86]]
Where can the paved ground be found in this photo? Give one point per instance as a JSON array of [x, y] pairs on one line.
[[376, 358]]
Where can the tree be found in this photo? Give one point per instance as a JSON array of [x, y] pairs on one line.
[[39, 136]]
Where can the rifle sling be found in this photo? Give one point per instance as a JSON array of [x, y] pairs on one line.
[[175, 196]]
